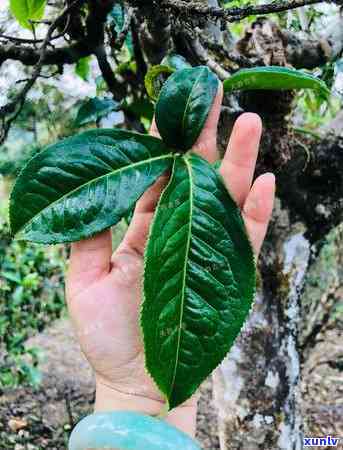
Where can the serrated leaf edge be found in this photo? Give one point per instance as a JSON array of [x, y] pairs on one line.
[[175, 156]]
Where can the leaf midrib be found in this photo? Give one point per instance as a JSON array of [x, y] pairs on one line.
[[188, 101], [183, 291], [132, 166]]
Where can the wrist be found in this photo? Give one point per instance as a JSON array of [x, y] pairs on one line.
[[109, 398]]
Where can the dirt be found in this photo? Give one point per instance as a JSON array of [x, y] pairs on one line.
[[322, 387], [37, 419]]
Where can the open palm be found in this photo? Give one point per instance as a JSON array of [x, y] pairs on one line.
[[104, 289]]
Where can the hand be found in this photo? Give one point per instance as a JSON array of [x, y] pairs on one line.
[[104, 289]]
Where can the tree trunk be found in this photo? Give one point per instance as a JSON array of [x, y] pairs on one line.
[[281, 379], [257, 387]]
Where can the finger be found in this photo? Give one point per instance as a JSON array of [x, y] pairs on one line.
[[206, 145], [150, 198], [138, 230], [90, 259], [136, 235], [258, 208], [239, 162]]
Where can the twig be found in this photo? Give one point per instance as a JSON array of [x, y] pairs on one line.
[[24, 80], [236, 58], [204, 57], [34, 41], [60, 55], [21, 40], [108, 75]]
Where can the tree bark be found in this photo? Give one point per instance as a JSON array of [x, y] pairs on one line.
[[263, 400], [257, 386]]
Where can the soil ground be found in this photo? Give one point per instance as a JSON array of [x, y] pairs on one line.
[[37, 419]]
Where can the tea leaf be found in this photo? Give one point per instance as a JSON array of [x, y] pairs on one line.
[[274, 78], [94, 109], [199, 279], [84, 184], [184, 104]]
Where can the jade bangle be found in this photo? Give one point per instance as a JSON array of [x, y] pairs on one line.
[[127, 431]]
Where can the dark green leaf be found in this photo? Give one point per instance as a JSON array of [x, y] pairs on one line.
[[199, 279], [274, 78], [26, 10], [82, 68], [84, 184], [94, 109], [142, 108], [184, 104]]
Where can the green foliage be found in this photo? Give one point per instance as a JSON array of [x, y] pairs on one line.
[[197, 247], [82, 68], [26, 10], [157, 75], [315, 112], [42, 120], [31, 293], [199, 272], [155, 78], [199, 279], [94, 109], [142, 108], [79, 186], [274, 78], [184, 104], [238, 28], [199, 268], [10, 165]]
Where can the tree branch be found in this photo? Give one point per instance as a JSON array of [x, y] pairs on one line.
[[14, 107], [30, 57], [116, 89], [204, 58], [235, 14]]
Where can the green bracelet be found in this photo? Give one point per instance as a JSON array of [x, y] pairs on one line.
[[128, 431]]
